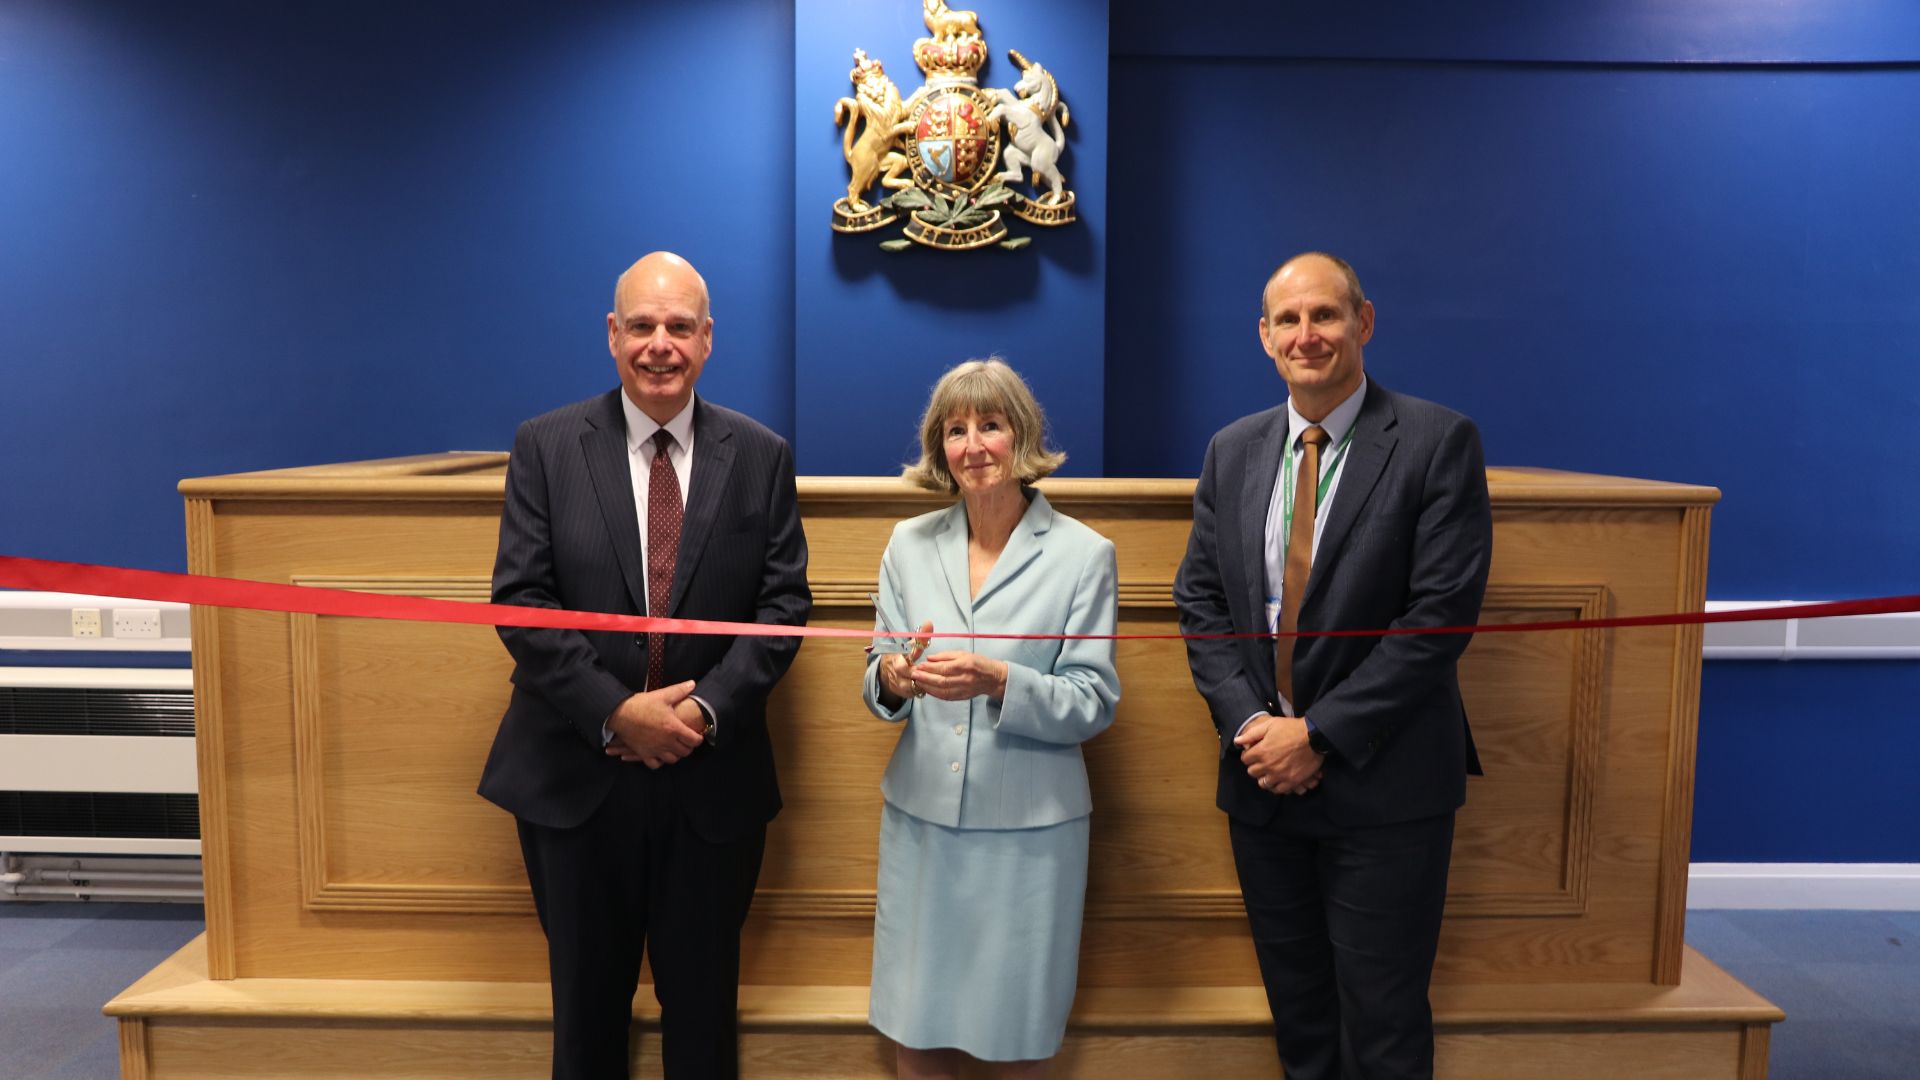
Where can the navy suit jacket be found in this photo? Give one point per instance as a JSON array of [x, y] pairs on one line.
[[570, 538], [1407, 542]]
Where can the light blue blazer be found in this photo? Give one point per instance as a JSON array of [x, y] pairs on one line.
[[1012, 764]]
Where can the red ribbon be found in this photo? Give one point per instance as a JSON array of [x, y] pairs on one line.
[[88, 579]]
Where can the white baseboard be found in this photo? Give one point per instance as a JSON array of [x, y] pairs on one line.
[[1841, 886]]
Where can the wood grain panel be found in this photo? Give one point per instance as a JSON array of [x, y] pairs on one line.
[[1706, 1026], [318, 1050], [133, 1050], [1706, 1054], [1522, 844], [210, 747], [1755, 1039], [403, 821], [388, 815], [377, 1051], [1676, 829], [339, 757]]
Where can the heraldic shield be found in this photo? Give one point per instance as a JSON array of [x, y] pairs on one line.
[[954, 144], [946, 155]]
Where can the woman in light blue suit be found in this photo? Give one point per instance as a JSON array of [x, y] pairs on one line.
[[983, 839]]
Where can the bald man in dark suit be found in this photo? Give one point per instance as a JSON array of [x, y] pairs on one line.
[[1343, 759], [639, 767]]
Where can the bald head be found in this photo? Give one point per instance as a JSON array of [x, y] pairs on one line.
[[661, 271], [1355, 297], [660, 332]]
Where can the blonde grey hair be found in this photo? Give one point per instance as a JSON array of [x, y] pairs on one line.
[[982, 386]]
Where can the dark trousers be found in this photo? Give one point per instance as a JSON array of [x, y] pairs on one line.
[[1345, 924], [634, 879]]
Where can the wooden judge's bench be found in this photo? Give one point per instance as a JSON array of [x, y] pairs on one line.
[[368, 915]]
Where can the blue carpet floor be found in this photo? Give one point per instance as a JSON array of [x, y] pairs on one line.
[[59, 963], [1849, 982]]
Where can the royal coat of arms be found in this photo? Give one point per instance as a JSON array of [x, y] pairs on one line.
[[946, 155]]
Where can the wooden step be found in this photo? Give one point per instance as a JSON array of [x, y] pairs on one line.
[[178, 1023]]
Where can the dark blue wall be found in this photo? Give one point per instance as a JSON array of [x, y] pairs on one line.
[[242, 236], [1627, 238], [1691, 272], [1807, 762]]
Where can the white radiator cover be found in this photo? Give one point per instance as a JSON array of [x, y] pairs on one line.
[[95, 763]]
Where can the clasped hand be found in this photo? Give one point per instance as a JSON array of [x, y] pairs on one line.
[[949, 676], [658, 727], [957, 676], [1275, 752]]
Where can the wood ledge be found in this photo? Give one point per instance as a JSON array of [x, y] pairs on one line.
[[179, 988], [480, 476]]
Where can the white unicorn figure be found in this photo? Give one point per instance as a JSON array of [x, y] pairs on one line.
[[1028, 108]]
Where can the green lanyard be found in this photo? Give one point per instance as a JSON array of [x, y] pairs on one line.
[[1327, 473]]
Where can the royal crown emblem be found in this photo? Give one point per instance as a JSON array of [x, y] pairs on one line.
[[947, 154]]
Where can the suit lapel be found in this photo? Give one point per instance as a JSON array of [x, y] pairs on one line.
[[1256, 497], [1373, 443], [1023, 546], [952, 543], [713, 452], [610, 467]]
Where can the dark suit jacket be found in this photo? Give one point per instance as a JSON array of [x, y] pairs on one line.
[[570, 538], [1407, 542]]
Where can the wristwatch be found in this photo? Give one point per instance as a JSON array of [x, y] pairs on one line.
[[1318, 742]]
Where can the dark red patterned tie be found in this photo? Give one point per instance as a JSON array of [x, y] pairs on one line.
[[663, 547]]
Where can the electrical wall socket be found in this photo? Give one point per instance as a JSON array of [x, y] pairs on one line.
[[136, 623], [86, 622]]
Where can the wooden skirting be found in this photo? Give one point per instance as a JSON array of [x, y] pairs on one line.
[[176, 1022]]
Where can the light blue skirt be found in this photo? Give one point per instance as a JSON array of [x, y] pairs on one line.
[[976, 936]]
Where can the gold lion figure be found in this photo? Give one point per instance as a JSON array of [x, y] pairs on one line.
[[946, 24], [871, 153]]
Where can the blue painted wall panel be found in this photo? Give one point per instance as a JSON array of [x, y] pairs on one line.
[[241, 236], [1807, 762], [1681, 274]]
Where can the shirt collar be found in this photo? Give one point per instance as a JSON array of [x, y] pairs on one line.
[[1338, 422], [640, 426]]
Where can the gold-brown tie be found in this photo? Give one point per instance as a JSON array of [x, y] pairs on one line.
[[1293, 582]]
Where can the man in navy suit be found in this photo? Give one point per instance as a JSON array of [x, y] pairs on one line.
[[639, 767], [1340, 789]]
